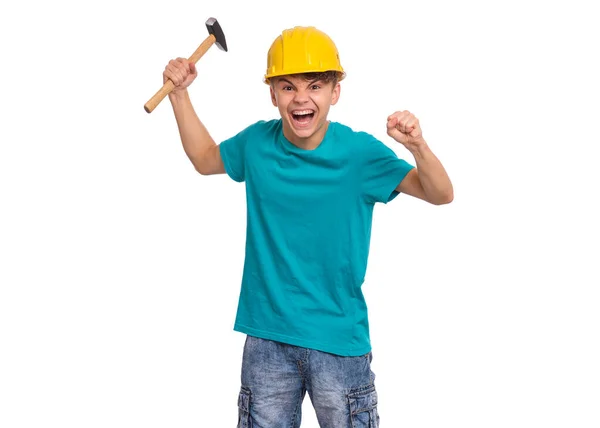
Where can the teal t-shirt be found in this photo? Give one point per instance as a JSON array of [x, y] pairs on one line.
[[309, 215]]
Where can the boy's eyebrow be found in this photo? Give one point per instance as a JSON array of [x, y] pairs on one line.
[[281, 79]]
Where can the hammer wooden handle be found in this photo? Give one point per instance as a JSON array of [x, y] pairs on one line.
[[168, 86]]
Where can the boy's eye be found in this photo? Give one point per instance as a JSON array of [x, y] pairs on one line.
[[315, 87], [287, 88]]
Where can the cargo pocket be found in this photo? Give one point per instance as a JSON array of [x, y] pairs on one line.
[[363, 407], [244, 408]]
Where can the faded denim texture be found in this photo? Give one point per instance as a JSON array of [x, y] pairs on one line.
[[276, 376]]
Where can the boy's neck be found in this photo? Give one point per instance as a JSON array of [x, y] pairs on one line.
[[310, 143]]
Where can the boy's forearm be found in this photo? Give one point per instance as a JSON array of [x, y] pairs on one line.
[[194, 136], [433, 176]]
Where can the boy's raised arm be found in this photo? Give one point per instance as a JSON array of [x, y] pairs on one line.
[[198, 145]]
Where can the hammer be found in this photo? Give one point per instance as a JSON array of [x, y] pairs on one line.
[[216, 36]]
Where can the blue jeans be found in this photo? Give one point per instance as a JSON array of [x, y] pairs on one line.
[[276, 377]]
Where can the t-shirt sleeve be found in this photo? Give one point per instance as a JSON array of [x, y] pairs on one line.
[[233, 154], [382, 172]]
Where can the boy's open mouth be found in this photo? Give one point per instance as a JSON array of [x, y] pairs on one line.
[[303, 117]]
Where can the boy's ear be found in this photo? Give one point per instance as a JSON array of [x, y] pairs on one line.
[[337, 89], [273, 99]]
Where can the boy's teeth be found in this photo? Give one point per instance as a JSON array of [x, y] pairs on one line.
[[301, 113]]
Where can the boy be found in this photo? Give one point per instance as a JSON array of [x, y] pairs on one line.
[[311, 185]]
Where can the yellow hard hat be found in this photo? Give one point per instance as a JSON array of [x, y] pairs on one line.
[[302, 50]]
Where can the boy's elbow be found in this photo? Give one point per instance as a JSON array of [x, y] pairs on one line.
[[204, 171], [447, 199], [208, 168], [443, 199], [198, 166], [200, 163], [200, 169], [209, 162]]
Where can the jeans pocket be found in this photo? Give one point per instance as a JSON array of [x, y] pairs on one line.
[[244, 408], [363, 407]]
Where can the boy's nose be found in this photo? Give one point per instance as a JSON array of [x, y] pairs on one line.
[[301, 97]]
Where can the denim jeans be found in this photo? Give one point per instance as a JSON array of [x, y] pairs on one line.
[[276, 376]]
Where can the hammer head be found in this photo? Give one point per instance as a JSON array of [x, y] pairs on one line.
[[215, 29]]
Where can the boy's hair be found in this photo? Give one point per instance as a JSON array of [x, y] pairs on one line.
[[324, 76]]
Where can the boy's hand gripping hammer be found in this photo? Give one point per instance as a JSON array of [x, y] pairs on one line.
[[216, 36]]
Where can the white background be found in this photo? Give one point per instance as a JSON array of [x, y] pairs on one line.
[[120, 266]]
